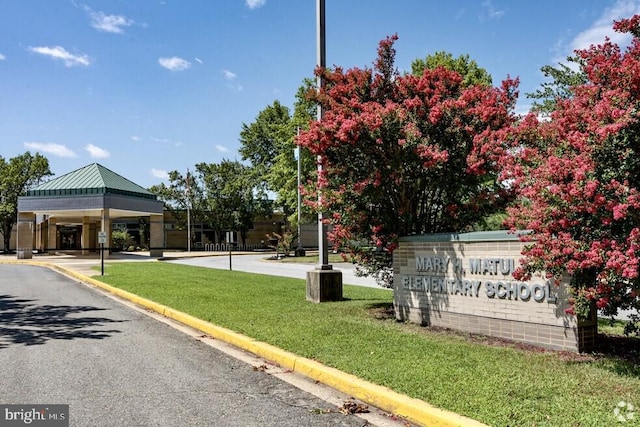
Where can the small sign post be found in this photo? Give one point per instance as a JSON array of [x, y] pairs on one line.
[[230, 242], [102, 239]]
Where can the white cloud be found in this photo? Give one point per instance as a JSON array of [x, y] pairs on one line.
[[159, 173], [161, 140], [2, 57], [255, 4], [229, 75], [108, 23], [50, 148], [97, 152], [60, 53], [491, 12], [174, 63], [135, 138], [601, 28], [222, 148], [198, 60]]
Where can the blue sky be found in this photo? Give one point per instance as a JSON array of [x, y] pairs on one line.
[[144, 87]]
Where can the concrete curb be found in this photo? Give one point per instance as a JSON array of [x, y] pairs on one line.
[[414, 410]]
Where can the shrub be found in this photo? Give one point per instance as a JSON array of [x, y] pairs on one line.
[[120, 240]]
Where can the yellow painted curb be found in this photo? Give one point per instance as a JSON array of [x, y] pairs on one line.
[[414, 410]]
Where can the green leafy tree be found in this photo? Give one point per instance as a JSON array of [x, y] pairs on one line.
[[16, 176], [269, 144], [472, 74], [560, 85], [182, 192], [264, 139], [231, 196]]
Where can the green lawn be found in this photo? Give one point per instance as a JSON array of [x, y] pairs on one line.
[[498, 385]]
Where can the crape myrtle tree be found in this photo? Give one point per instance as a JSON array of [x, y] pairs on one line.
[[472, 74], [16, 176], [404, 154], [577, 178]]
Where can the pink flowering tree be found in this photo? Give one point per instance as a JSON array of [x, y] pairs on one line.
[[577, 178], [405, 154]]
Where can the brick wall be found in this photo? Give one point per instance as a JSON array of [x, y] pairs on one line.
[[464, 282]]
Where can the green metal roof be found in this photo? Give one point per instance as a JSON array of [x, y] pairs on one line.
[[91, 179]]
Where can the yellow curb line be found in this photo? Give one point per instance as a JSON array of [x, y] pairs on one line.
[[414, 410]]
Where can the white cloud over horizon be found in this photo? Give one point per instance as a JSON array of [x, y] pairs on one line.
[[159, 173], [60, 53], [52, 148], [174, 63], [222, 148], [255, 4], [96, 152], [2, 57]]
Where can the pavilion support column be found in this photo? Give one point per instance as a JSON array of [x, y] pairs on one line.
[[106, 227], [85, 240], [44, 235], [52, 231], [26, 225], [156, 235]]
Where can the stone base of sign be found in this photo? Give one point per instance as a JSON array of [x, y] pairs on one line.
[[24, 254], [324, 285], [465, 282], [579, 338]]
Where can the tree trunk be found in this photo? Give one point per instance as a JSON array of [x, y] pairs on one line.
[[6, 234]]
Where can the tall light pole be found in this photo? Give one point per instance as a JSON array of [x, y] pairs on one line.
[[188, 192], [323, 250], [299, 251], [324, 283]]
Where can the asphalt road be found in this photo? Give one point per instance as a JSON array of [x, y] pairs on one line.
[[257, 264], [62, 342]]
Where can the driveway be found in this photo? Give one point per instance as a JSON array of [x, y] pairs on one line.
[[259, 264], [62, 342]]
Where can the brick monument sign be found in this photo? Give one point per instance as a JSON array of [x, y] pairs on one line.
[[465, 282]]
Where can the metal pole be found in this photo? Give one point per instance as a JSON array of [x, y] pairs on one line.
[[323, 250], [188, 214], [299, 199]]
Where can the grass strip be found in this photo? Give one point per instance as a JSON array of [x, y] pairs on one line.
[[497, 385]]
